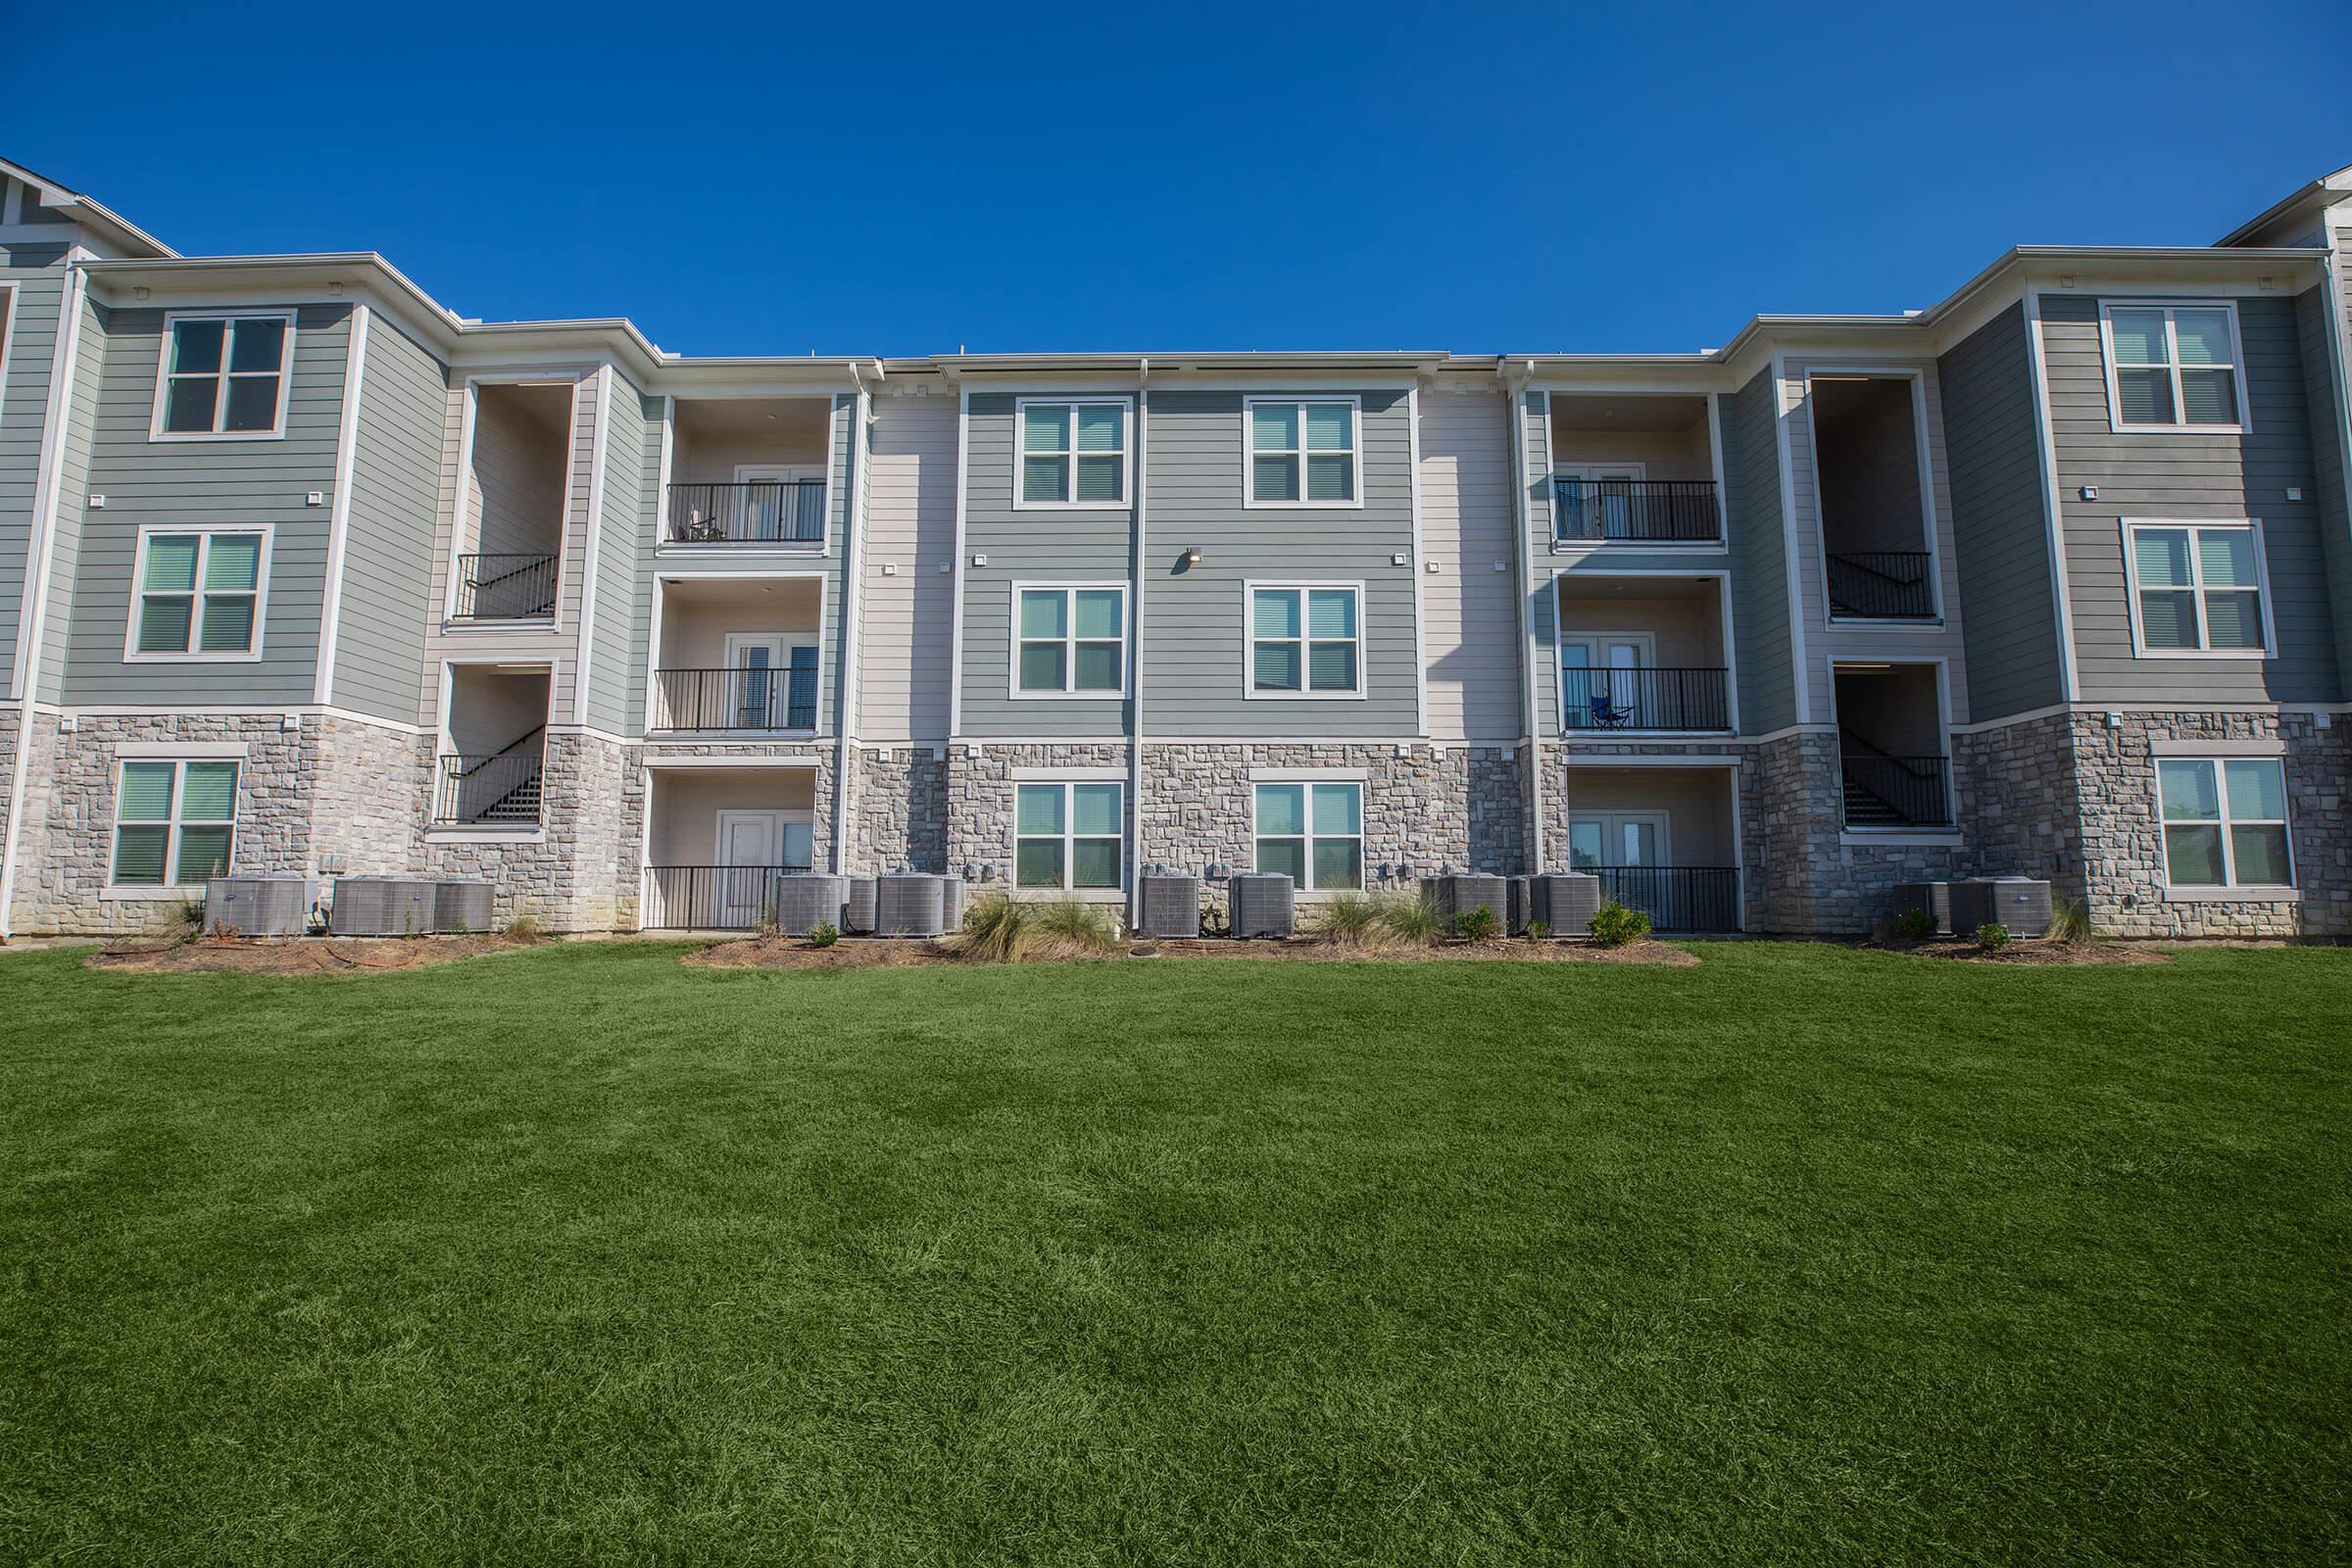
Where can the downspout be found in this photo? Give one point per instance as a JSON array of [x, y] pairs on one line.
[[853, 614], [33, 613], [1516, 395], [1135, 656]]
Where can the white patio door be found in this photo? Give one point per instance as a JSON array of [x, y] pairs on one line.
[[1601, 496], [751, 847], [1599, 670], [778, 501], [1617, 839]]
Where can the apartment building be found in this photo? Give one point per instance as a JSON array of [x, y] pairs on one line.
[[300, 572]]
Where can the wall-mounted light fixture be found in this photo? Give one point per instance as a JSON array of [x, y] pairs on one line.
[[1192, 557]]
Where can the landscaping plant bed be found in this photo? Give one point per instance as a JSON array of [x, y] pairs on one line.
[[300, 954], [867, 952], [2032, 952]]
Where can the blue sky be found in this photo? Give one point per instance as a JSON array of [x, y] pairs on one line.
[[909, 179]]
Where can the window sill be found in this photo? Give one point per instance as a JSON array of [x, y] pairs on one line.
[[2117, 427], [2240, 895], [1898, 835], [146, 893], [512, 623], [217, 435], [501, 832], [1564, 546], [1103, 896], [1884, 622]]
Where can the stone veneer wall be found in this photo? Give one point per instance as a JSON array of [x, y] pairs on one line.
[[2122, 836], [898, 810], [2020, 803], [1816, 880], [8, 767], [978, 789]]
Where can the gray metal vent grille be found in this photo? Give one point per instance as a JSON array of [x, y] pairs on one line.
[[950, 907], [2021, 904], [1263, 904], [382, 907], [858, 913], [258, 905], [1565, 901], [1934, 896], [462, 906], [1171, 905]]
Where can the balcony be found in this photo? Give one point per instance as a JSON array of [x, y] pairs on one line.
[[738, 655], [1892, 769], [1629, 468], [1662, 841], [1635, 510], [749, 472], [1642, 654], [717, 839], [506, 587]]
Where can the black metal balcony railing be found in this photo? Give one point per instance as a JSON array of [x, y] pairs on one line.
[[1882, 585], [735, 699], [758, 512], [1885, 791], [1676, 898], [1644, 699], [506, 587], [502, 789], [710, 898], [1666, 511]]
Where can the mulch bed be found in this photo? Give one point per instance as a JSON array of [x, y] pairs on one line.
[[2033, 953], [298, 954], [863, 953]]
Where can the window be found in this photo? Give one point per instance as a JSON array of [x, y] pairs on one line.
[[1287, 436], [1073, 454], [1303, 642], [2173, 366], [176, 817], [223, 375], [1071, 641], [199, 594], [1312, 833], [1066, 836], [2198, 588], [2224, 821]]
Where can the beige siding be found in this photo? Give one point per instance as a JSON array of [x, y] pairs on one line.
[[1469, 623], [910, 525]]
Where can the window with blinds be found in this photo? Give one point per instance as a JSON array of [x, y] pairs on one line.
[[174, 822], [2174, 367], [1303, 453], [199, 594], [1304, 640], [1073, 454], [2197, 589]]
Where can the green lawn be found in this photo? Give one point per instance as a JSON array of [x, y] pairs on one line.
[[1808, 1255]]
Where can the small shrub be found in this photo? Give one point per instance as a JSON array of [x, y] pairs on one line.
[[1614, 925], [184, 921], [993, 929], [1477, 924], [2070, 921], [1349, 920], [1414, 918], [1993, 936], [823, 936], [1537, 930], [523, 927], [1915, 925]]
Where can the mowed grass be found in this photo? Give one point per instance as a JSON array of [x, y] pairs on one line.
[[1806, 1256]]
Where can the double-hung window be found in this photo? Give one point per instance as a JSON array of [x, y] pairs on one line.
[[199, 594], [1066, 836], [1073, 454], [1312, 833], [1306, 641], [2173, 366], [174, 822], [2198, 588], [1073, 641], [2224, 821], [223, 375], [1302, 452]]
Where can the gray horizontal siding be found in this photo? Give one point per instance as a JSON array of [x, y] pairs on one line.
[[206, 485], [1998, 518], [1755, 526], [32, 329], [387, 595], [80, 443], [2178, 474], [2323, 402], [1543, 594], [1094, 545], [1194, 628], [623, 587]]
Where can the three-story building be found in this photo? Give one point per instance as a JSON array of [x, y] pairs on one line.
[[302, 572]]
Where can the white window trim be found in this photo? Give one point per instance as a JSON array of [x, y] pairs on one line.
[[1069, 835], [2197, 590], [2172, 342], [1356, 454], [1069, 664], [2230, 887], [204, 533], [168, 888], [1249, 639], [163, 376], [1308, 785], [1126, 454]]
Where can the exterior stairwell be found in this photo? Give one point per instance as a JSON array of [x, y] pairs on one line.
[[501, 788], [1883, 791]]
